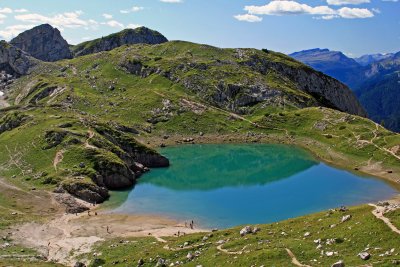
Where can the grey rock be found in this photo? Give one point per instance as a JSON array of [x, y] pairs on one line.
[[14, 61], [43, 42], [79, 264], [338, 264], [246, 230], [346, 218], [364, 255]]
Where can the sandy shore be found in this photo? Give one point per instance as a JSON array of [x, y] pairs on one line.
[[68, 235]]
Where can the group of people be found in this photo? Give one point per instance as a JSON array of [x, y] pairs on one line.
[[191, 225]]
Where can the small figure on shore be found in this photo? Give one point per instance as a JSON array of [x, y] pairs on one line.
[[95, 213], [179, 233], [108, 230]]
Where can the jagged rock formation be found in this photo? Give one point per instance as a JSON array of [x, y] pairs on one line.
[[125, 37], [13, 61], [43, 42]]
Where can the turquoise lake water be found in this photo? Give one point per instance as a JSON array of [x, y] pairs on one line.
[[228, 185]]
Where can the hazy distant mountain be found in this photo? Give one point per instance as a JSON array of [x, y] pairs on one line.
[[368, 59], [380, 91], [332, 63], [374, 78]]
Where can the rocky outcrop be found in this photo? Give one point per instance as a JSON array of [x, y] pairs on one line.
[[141, 35], [43, 42], [13, 61], [11, 121], [241, 83], [327, 91], [71, 205], [86, 191], [111, 159]]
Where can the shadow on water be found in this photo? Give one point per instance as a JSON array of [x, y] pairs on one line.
[[209, 167]]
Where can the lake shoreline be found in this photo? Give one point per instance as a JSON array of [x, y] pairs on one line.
[[127, 223], [318, 150]]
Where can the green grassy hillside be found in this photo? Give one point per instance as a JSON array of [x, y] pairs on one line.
[[83, 124]]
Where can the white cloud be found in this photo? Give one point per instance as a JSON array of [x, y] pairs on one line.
[[6, 10], [12, 31], [328, 17], [390, 0], [355, 13], [22, 10], [132, 9], [248, 18], [108, 16], [289, 7], [172, 1], [346, 2], [67, 19], [133, 26], [113, 23]]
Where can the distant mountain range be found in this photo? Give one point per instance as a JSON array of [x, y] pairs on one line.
[[374, 78]]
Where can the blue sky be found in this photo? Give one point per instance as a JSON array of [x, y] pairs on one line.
[[355, 27]]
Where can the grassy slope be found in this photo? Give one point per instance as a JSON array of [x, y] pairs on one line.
[[267, 247], [95, 89], [348, 141]]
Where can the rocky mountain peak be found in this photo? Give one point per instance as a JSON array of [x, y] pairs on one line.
[[141, 35], [43, 42]]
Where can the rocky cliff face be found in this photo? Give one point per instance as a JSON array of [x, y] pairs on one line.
[[13, 61], [246, 77], [43, 42], [128, 36]]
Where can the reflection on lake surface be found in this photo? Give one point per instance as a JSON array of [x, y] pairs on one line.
[[228, 185]]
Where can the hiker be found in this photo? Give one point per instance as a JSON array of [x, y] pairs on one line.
[[108, 230], [179, 233]]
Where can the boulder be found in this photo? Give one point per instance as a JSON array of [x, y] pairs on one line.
[[338, 264], [364, 255], [346, 218], [246, 230]]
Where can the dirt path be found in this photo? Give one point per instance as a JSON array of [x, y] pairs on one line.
[[378, 212], [58, 158], [294, 259], [91, 135], [231, 252]]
